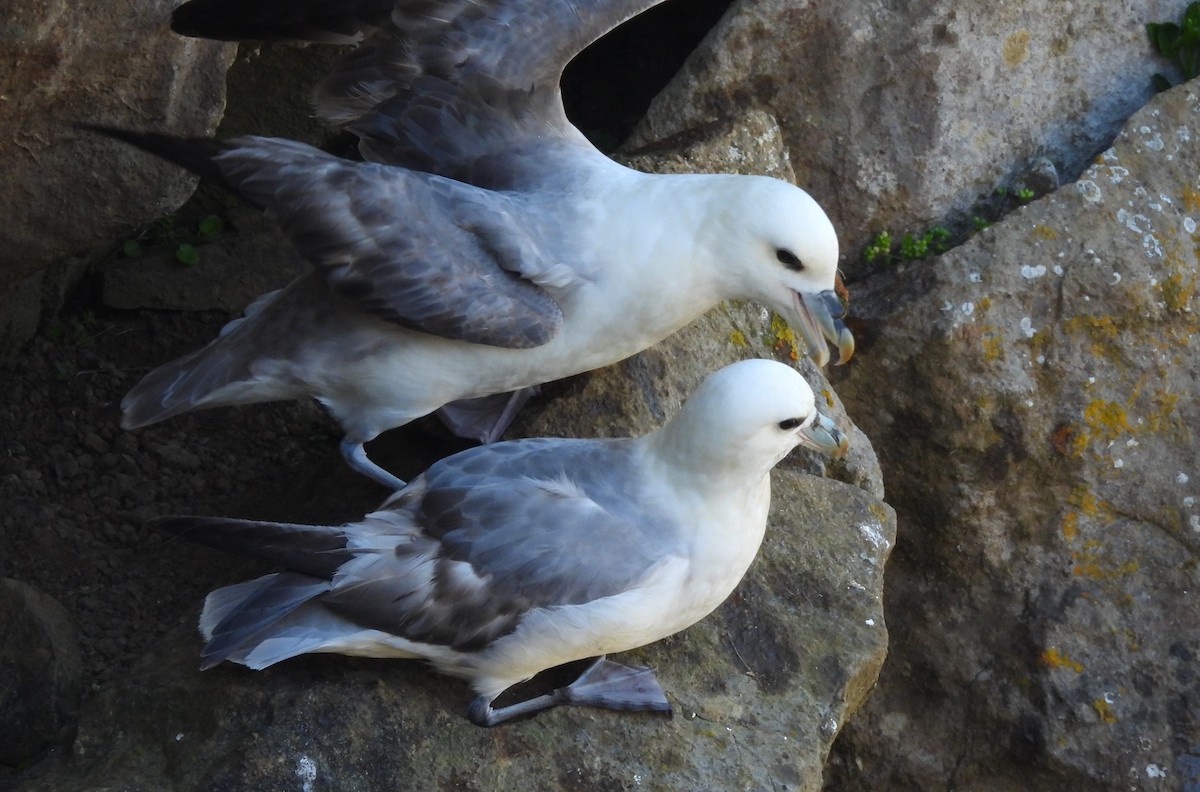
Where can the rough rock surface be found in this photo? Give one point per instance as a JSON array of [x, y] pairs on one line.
[[102, 62], [1038, 434], [39, 674], [900, 115], [761, 688]]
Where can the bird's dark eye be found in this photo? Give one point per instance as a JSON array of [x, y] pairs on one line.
[[790, 424], [788, 259]]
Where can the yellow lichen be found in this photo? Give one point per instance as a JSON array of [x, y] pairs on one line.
[[1044, 232], [993, 347], [1190, 198], [827, 395], [785, 337], [1104, 710], [737, 337], [1070, 525], [1177, 292], [1106, 419], [1054, 658]]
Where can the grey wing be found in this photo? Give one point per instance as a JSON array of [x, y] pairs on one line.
[[439, 83], [489, 553], [425, 252]]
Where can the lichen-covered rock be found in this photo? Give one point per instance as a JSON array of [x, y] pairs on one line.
[[897, 115], [1033, 396], [39, 674]]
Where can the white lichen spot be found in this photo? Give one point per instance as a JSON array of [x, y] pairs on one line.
[[1154, 771], [1132, 443], [1117, 174], [1118, 463], [1194, 522], [873, 535], [975, 277], [1088, 190], [1058, 270], [1183, 134], [1027, 327], [1091, 380], [179, 737], [637, 779], [1182, 478], [1029, 272], [869, 622], [1041, 359], [306, 771], [968, 308], [947, 307], [1116, 279], [1189, 225]]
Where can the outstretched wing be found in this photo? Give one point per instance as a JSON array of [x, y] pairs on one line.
[[423, 251], [439, 84]]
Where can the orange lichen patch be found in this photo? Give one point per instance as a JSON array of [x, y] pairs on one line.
[[1106, 419], [993, 346], [1090, 563], [1178, 291], [1053, 658], [785, 337], [827, 395], [1088, 504], [1044, 232], [1070, 525], [1164, 409], [737, 337], [1104, 710], [1102, 331], [1190, 198], [1067, 440]]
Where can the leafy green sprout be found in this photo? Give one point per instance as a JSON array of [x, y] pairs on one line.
[[1025, 194], [1179, 44], [165, 233], [912, 247]]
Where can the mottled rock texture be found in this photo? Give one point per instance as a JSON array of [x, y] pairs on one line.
[[901, 115], [1034, 397], [95, 61]]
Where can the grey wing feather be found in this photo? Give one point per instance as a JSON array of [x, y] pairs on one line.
[[425, 252], [491, 66], [328, 21]]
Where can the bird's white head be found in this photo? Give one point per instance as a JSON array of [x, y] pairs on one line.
[[784, 252], [747, 416]]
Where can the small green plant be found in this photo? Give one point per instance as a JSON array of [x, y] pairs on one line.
[[880, 247], [1180, 44], [912, 247], [165, 232], [1024, 194], [980, 223]]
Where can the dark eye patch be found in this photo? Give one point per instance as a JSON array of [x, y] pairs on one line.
[[790, 424], [788, 259]]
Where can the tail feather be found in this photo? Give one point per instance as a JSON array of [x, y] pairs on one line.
[[182, 385], [323, 21], [238, 619], [195, 154], [313, 550]]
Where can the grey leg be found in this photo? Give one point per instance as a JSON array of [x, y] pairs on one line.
[[604, 684], [356, 457]]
